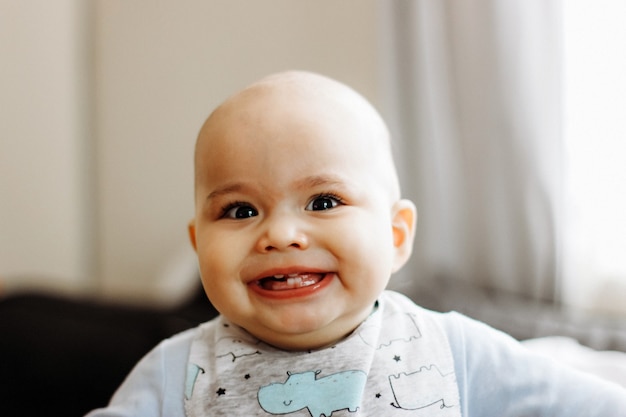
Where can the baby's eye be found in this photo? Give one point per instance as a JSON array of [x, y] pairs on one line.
[[323, 202], [239, 211]]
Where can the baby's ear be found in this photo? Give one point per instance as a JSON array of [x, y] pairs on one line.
[[404, 220], [191, 229]]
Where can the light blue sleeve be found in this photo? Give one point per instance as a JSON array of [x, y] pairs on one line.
[[498, 376], [155, 385]]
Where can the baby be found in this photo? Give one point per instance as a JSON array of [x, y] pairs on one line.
[[299, 225]]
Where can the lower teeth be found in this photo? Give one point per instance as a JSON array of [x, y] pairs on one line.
[[290, 283], [294, 281]]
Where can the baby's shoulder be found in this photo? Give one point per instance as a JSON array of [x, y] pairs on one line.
[[174, 351]]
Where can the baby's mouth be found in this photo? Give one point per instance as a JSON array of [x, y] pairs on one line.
[[291, 281]]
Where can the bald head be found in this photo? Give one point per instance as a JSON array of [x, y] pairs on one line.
[[312, 88], [281, 109]]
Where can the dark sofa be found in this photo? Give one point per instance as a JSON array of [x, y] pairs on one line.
[[64, 357]]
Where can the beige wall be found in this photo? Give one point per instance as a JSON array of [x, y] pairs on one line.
[[101, 200], [43, 228]]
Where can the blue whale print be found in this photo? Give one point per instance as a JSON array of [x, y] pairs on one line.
[[323, 396]]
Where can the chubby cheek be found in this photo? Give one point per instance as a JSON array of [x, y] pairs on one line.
[[366, 253], [219, 253], [226, 296], [219, 269]]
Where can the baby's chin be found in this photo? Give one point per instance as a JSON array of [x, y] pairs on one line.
[[302, 342], [308, 335]]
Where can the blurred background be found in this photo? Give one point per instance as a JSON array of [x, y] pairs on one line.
[[508, 126]]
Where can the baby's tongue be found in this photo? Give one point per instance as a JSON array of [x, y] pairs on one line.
[[290, 282]]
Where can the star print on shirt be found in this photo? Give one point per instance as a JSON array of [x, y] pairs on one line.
[[397, 358], [247, 376], [378, 395], [220, 392]]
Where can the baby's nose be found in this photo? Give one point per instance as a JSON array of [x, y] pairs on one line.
[[281, 233]]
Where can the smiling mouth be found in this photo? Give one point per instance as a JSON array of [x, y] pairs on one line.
[[290, 282]]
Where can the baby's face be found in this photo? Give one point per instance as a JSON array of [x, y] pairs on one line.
[[294, 224]]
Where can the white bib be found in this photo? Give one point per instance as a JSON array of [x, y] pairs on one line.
[[396, 363]]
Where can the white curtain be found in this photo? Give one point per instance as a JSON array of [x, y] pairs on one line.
[[473, 93], [595, 129]]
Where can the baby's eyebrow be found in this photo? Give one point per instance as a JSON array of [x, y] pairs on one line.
[[225, 189], [320, 180]]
